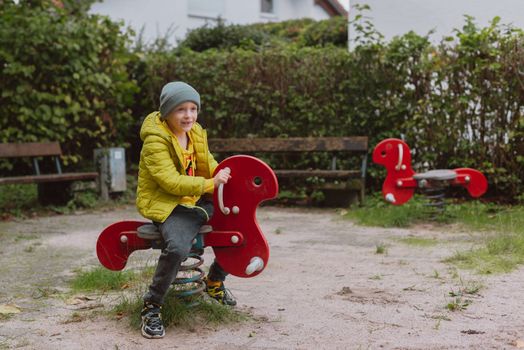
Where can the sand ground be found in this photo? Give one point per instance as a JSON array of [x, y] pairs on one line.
[[325, 287]]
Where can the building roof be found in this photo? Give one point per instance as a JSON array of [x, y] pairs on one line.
[[332, 7]]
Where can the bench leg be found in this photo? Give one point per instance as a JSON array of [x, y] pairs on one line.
[[55, 193], [362, 192]]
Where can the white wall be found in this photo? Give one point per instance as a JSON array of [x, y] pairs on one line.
[[396, 17], [157, 16]]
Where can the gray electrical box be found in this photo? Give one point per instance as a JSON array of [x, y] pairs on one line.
[[111, 167]]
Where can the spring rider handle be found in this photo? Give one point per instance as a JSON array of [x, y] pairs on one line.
[[252, 182]]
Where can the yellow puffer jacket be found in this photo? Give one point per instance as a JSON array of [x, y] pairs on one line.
[[161, 179]]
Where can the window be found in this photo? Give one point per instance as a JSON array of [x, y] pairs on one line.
[[206, 8], [266, 6]]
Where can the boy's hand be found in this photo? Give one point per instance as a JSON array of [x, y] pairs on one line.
[[222, 177]]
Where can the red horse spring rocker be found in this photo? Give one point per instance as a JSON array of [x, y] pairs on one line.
[[233, 232], [401, 181]]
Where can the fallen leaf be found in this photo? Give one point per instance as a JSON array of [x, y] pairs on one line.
[[78, 299], [519, 343], [6, 309], [89, 307]]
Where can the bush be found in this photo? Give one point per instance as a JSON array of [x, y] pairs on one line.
[[302, 32], [63, 78], [222, 36], [333, 31]]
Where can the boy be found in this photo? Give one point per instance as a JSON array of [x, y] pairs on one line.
[[174, 172]]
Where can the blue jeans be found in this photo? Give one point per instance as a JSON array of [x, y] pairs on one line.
[[178, 232]]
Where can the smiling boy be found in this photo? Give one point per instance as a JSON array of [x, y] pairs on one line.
[[175, 170]]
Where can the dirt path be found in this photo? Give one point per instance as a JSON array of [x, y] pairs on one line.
[[324, 288]]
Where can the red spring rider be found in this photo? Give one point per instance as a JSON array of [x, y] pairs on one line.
[[238, 243], [401, 181]]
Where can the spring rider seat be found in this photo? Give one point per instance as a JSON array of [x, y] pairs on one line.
[[401, 181]]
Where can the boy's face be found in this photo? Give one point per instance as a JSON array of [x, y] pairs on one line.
[[181, 119]]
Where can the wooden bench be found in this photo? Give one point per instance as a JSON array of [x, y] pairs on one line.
[[339, 147], [54, 188]]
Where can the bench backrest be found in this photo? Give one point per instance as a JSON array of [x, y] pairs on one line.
[[31, 149], [293, 144]]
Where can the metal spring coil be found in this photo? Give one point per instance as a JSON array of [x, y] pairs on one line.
[[436, 199], [193, 282]]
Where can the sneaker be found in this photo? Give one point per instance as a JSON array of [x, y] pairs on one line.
[[152, 325], [217, 291]]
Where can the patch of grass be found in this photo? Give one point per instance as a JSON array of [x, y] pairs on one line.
[[376, 212], [459, 297], [419, 241], [472, 287], [25, 237], [480, 216], [15, 198], [502, 247], [467, 288], [84, 199], [381, 248], [458, 304], [29, 249], [101, 279], [485, 262], [5, 317], [22, 200], [189, 314], [439, 319]]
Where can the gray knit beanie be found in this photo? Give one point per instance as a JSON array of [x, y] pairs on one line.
[[175, 93]]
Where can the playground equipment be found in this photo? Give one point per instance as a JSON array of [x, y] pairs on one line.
[[401, 181], [233, 232]]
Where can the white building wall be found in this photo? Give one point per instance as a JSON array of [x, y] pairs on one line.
[[397, 17], [158, 17]]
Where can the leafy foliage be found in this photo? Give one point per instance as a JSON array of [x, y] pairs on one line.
[[333, 31], [301, 32], [63, 78], [222, 36]]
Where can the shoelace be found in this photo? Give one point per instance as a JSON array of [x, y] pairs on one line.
[[154, 321]]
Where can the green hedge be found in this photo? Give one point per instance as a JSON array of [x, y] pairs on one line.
[[303, 32], [63, 77]]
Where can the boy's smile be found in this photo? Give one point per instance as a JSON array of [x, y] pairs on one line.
[[181, 119]]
